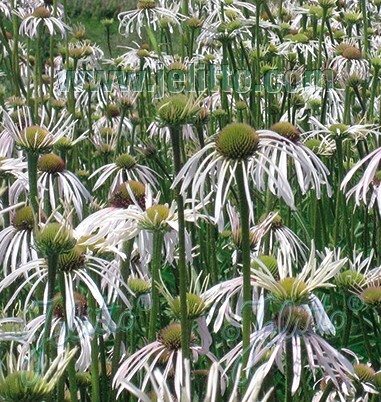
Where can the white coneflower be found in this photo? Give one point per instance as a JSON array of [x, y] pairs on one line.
[[85, 54], [148, 12], [24, 384], [41, 17], [81, 325], [337, 130], [283, 237], [349, 61], [104, 138], [298, 288], [293, 325], [285, 287], [368, 189], [133, 58], [310, 171], [96, 230], [165, 350], [56, 181], [36, 138], [298, 44], [17, 240], [143, 221], [125, 167], [239, 144], [77, 266]]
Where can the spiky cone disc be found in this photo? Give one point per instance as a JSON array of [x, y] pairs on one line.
[[286, 130], [23, 219], [170, 336], [35, 139], [139, 286], [195, 306], [155, 218], [270, 262], [291, 290], [237, 141], [54, 239], [80, 303], [51, 163], [71, 260], [349, 280], [176, 110], [41, 12], [372, 297], [127, 194], [23, 386], [293, 318], [146, 4], [364, 372], [125, 161]]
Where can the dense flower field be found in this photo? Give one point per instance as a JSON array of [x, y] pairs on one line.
[[196, 217]]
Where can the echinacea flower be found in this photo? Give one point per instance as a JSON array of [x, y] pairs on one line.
[[125, 167], [284, 238], [309, 170], [36, 138], [285, 287], [77, 266], [17, 240], [148, 12], [82, 331], [24, 384], [56, 181], [237, 145], [349, 61], [166, 350], [143, 221], [96, 230], [293, 325], [42, 17]]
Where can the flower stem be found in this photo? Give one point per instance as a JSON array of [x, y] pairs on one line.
[[321, 36], [71, 365], [368, 347], [32, 177], [348, 323], [155, 266], [52, 269], [95, 376], [289, 369], [245, 228], [185, 334]]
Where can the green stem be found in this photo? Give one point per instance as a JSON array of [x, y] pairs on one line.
[[321, 36], [125, 270], [182, 268], [289, 370], [365, 27], [32, 177], [95, 375], [348, 322], [368, 347], [71, 365], [52, 270], [245, 248], [155, 267]]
